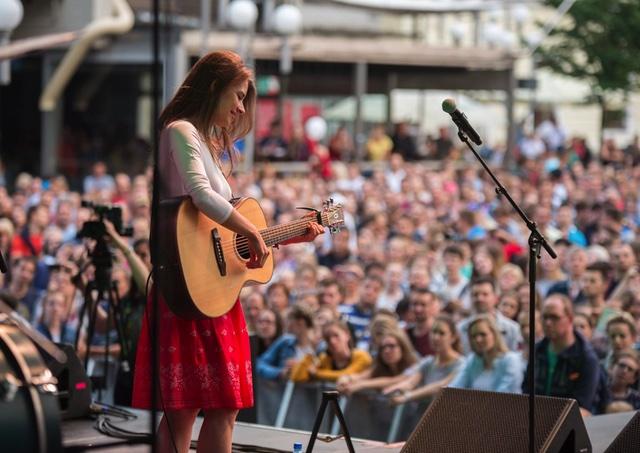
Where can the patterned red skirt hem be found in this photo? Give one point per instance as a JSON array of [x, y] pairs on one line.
[[203, 364]]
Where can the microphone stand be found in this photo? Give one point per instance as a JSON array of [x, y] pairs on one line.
[[536, 241]]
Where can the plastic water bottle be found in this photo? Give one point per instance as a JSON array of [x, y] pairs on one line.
[[297, 447]]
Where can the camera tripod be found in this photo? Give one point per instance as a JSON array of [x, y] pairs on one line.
[[97, 291]]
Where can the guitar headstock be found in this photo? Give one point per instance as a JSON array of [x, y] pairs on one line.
[[332, 216]]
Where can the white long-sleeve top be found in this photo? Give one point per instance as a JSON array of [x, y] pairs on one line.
[[187, 168]]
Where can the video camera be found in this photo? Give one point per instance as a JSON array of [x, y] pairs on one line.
[[96, 229]]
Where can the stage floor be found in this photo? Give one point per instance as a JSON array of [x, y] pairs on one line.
[[81, 434]]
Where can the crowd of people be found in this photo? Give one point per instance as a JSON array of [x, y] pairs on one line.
[[424, 287]]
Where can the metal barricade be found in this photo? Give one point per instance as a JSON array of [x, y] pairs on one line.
[[284, 404], [268, 399], [368, 414]]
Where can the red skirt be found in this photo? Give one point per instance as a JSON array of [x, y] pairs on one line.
[[204, 364]]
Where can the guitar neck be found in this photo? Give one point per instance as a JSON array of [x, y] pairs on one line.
[[283, 232]]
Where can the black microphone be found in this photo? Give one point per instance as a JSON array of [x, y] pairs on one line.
[[449, 106]]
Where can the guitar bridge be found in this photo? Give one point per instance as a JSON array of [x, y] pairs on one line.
[[217, 250]]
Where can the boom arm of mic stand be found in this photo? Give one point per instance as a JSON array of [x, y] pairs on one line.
[[500, 189]]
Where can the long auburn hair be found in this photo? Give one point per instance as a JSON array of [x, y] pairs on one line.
[[380, 368], [199, 96]]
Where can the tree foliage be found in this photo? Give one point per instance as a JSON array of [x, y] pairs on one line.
[[601, 44]]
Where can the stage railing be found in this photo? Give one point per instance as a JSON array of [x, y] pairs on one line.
[[369, 415]]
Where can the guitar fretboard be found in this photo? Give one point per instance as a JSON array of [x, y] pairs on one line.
[[280, 233]]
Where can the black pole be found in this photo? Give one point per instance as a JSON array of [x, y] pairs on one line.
[[155, 102], [534, 255], [536, 240]]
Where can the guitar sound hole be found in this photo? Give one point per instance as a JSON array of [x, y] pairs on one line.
[[242, 247]]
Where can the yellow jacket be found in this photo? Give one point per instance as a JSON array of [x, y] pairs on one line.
[[360, 361]]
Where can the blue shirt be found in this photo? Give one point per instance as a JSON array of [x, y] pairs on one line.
[[272, 361], [358, 321], [506, 373]]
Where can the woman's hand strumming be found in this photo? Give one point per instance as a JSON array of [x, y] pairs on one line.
[[258, 250]]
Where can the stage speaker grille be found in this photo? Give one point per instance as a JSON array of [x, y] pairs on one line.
[[460, 421], [629, 438]]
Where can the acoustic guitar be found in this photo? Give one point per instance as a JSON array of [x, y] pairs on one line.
[[201, 265]]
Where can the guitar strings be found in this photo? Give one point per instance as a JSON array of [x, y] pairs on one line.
[[242, 244]]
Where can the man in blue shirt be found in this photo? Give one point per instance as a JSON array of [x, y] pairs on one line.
[[359, 316], [566, 364]]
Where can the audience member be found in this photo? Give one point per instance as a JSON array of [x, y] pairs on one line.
[[394, 355], [359, 315], [340, 358], [621, 333], [53, 322], [435, 371], [594, 287], [490, 366], [268, 329], [623, 375], [566, 365], [279, 359], [485, 300], [425, 306], [379, 145]]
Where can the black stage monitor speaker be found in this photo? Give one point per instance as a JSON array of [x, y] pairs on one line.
[[629, 438], [460, 421]]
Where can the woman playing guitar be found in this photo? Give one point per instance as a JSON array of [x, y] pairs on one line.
[[205, 363]]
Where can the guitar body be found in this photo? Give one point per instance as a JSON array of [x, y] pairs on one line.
[[188, 269]]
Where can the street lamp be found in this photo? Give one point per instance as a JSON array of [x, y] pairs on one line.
[[11, 13], [287, 21], [506, 39], [457, 31], [520, 15], [533, 40], [492, 33], [242, 15]]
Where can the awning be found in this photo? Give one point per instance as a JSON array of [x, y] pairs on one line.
[[343, 49]]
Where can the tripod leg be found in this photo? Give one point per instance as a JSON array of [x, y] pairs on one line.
[[93, 313], [105, 360], [343, 424], [316, 425], [83, 311]]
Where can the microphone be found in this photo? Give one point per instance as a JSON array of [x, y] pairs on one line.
[[449, 106]]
